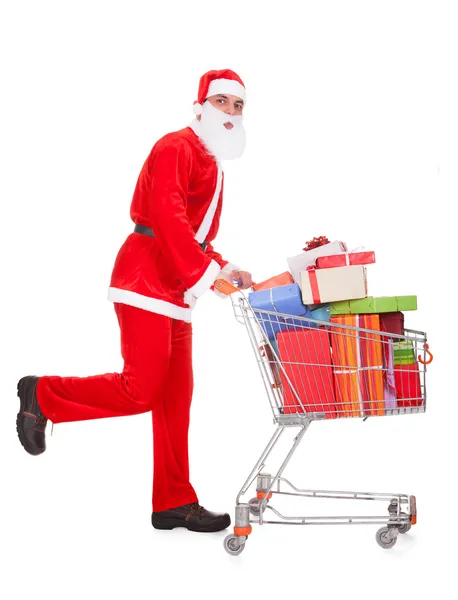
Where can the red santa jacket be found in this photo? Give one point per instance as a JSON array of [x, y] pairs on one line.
[[179, 194]]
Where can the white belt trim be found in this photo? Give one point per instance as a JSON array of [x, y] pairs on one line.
[[161, 307]]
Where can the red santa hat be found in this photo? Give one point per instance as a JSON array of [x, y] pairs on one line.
[[224, 81]]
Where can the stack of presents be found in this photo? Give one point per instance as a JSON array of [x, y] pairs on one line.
[[334, 370]]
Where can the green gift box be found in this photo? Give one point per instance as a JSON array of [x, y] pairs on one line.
[[404, 353], [373, 305]]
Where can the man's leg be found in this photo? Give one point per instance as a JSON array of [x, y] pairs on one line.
[[171, 486], [175, 502], [145, 348]]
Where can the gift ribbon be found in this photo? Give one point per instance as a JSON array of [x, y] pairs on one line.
[[316, 243], [271, 299], [314, 285]]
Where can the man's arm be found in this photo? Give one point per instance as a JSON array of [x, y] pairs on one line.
[[170, 172], [226, 266], [229, 272]]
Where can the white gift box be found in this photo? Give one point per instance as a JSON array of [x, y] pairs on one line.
[[331, 285], [307, 259]]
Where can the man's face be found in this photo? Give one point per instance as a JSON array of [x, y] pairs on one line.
[[221, 125], [231, 105]]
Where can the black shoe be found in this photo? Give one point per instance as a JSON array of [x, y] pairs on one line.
[[192, 516], [30, 422]]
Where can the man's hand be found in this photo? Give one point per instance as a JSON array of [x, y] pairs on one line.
[[243, 279]]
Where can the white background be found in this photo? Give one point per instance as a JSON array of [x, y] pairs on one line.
[[352, 133]]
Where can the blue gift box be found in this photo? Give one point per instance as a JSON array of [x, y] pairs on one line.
[[286, 299], [323, 313]]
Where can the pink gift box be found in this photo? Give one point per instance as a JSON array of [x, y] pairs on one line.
[[345, 259]]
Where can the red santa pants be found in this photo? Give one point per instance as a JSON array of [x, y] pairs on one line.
[[157, 376]]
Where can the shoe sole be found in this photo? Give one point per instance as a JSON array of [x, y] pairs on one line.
[[19, 430], [172, 523]]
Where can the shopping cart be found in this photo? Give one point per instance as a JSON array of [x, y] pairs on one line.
[[319, 370]]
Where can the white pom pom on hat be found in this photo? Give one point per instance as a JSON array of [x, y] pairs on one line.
[[197, 108], [218, 82]]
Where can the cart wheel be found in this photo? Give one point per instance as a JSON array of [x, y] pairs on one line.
[[384, 539], [403, 527], [232, 544], [254, 506]]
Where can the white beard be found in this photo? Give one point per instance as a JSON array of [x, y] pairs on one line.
[[224, 144]]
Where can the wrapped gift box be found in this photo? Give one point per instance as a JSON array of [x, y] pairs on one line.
[[408, 387], [307, 259], [371, 349], [344, 260], [284, 299], [358, 366], [392, 322], [345, 358], [327, 285], [404, 353], [384, 304], [306, 359], [322, 313], [406, 374], [277, 281]]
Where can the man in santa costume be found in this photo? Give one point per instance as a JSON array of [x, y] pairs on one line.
[[163, 266]]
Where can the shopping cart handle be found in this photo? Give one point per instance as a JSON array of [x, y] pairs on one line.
[[430, 359], [225, 287]]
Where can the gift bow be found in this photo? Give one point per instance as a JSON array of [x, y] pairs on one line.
[[316, 243]]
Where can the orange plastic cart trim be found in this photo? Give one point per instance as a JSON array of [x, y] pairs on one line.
[[262, 494], [242, 530], [225, 287], [430, 359], [413, 509]]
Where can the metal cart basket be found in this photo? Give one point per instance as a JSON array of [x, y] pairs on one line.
[[319, 370]]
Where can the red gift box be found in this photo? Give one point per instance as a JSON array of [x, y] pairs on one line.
[[408, 387], [306, 359], [345, 259], [392, 322]]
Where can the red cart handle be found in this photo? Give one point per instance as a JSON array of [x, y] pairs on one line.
[[430, 359]]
